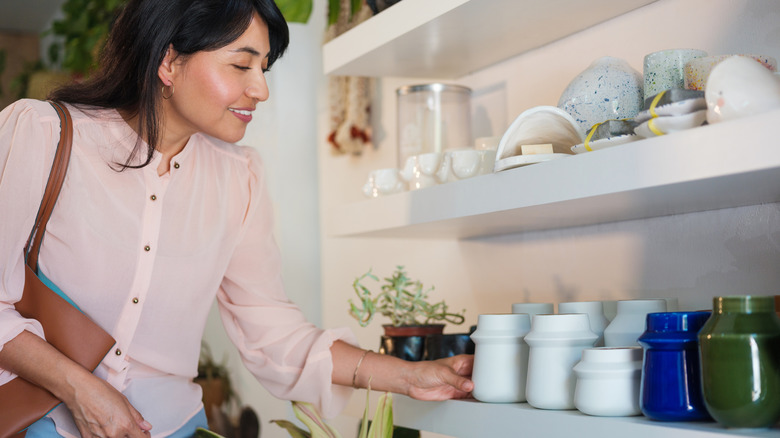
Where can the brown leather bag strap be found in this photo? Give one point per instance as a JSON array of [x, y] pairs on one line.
[[56, 177]]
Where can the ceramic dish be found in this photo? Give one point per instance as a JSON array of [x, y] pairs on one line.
[[667, 125], [605, 143], [524, 160], [674, 102], [540, 125]]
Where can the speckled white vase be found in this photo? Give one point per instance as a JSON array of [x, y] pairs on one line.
[[608, 89], [665, 69]]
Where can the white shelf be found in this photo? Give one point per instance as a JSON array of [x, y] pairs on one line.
[[450, 38], [473, 419], [725, 165]]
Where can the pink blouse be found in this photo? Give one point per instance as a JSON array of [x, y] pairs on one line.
[[144, 256]]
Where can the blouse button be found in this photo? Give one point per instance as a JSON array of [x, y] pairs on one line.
[[135, 300], [147, 248], [153, 197], [175, 165], [118, 352]]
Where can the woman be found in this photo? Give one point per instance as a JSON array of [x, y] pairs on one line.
[[159, 214]]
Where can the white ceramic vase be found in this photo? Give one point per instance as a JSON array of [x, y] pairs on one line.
[[608, 89], [630, 321], [608, 381], [533, 308], [555, 346], [500, 357], [595, 312]]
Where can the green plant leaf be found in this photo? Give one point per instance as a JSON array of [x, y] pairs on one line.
[[295, 11], [382, 424], [205, 433], [292, 429], [309, 416], [334, 7]]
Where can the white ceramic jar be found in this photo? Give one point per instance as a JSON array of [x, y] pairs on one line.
[[555, 346], [629, 322], [595, 312], [500, 357], [608, 381], [533, 308]]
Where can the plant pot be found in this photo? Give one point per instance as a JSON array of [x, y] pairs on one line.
[[414, 330], [447, 345], [213, 394], [407, 342]]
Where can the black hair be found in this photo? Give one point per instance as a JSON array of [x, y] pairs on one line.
[[127, 79]]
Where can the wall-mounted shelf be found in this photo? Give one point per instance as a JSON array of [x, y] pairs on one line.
[[473, 419], [725, 165], [450, 38]]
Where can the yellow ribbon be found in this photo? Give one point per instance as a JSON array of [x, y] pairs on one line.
[[590, 135], [653, 128], [653, 104]]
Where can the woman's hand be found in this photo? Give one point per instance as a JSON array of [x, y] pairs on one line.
[[441, 379], [99, 410]]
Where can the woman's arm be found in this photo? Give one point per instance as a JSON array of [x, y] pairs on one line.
[[97, 408], [441, 379]]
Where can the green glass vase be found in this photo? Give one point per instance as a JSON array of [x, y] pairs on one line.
[[739, 348]]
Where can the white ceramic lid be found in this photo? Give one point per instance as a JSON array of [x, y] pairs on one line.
[[541, 125]]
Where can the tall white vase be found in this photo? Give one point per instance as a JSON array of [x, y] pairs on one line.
[[556, 343], [630, 322], [595, 312], [500, 357], [533, 308]]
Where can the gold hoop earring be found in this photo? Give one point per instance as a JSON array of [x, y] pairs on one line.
[[172, 91]]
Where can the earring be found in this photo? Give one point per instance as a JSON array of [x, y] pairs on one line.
[[169, 95]]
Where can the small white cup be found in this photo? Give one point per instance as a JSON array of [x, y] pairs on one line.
[[383, 182], [467, 163], [424, 170]]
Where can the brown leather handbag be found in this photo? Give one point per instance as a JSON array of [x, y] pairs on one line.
[[66, 328]]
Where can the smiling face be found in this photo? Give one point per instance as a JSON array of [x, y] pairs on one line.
[[215, 91]]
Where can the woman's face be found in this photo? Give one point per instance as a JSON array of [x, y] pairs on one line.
[[215, 92]]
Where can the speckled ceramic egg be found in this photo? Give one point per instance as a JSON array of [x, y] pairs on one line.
[[608, 89]]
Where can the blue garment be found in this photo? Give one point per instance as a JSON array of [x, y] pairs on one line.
[[44, 428]]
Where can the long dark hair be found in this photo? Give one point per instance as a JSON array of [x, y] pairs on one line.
[[127, 79]]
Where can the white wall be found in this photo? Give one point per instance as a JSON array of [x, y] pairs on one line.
[[693, 256]]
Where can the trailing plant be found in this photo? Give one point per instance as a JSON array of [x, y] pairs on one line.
[[401, 299]]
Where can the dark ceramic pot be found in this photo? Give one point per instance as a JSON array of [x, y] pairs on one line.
[[378, 6], [441, 346], [408, 342]]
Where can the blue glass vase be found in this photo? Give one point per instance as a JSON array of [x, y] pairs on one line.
[[671, 378]]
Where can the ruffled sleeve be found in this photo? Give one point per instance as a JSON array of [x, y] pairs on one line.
[[286, 353], [29, 131]]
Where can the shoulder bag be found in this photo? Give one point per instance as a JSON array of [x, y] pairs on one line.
[[66, 328]]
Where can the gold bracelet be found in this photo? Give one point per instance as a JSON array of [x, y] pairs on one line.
[[357, 367]]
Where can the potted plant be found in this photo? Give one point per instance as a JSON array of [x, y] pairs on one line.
[[214, 379], [405, 302]]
